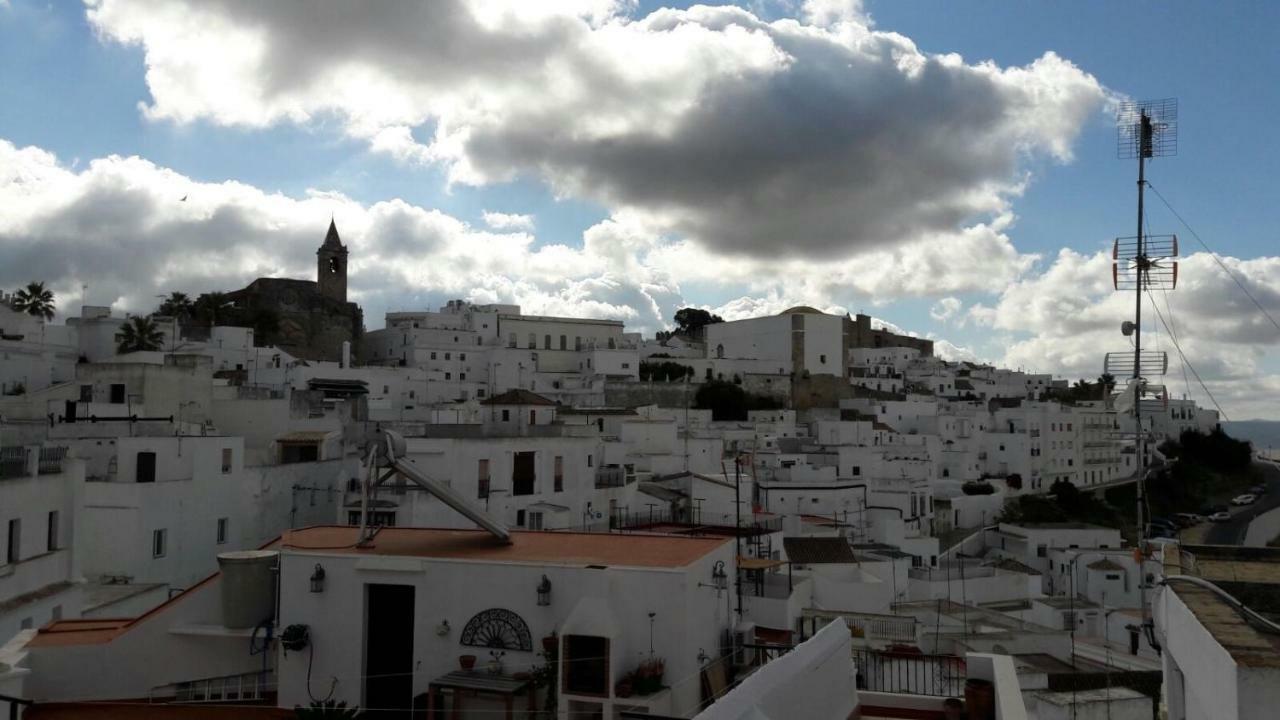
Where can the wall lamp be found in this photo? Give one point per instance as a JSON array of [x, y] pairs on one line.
[[317, 579], [544, 591], [719, 578]]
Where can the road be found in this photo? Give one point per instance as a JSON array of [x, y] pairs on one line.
[[1232, 532]]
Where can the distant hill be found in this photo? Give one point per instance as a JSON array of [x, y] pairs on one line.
[[1262, 433]]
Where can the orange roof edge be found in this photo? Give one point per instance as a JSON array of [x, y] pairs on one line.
[[60, 632]]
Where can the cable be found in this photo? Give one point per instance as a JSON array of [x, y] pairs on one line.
[[1215, 257], [1187, 362]]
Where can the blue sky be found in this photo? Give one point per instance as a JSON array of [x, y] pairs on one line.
[[75, 90]]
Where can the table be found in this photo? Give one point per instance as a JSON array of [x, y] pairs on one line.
[[480, 682]]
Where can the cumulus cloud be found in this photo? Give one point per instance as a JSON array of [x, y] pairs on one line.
[[119, 226], [945, 309], [813, 137], [1067, 317], [507, 221]]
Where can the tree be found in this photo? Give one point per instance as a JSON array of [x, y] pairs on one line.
[[35, 300], [178, 306], [690, 321], [139, 334], [209, 306], [728, 401]]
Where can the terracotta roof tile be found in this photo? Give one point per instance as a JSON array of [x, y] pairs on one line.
[[542, 548]]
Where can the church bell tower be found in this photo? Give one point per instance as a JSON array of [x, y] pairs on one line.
[[331, 266]]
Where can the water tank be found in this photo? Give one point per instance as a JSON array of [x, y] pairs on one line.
[[248, 587]]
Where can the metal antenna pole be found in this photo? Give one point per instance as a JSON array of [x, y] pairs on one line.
[[1140, 268], [737, 517]]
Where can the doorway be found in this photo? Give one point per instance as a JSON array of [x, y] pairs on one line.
[[388, 651]]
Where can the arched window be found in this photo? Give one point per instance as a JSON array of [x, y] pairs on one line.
[[499, 629], [720, 351]]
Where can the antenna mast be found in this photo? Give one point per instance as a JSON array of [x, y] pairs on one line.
[[1146, 129]]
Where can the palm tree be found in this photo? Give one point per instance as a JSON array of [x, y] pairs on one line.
[[209, 305], [35, 300], [178, 306], [138, 334]]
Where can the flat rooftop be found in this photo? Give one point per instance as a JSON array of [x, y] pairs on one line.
[[1251, 575], [527, 547]]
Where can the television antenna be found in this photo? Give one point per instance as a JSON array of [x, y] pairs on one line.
[[1145, 130]]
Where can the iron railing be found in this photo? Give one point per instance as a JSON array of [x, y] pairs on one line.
[[13, 461], [872, 626], [607, 477], [911, 673], [15, 704], [51, 460], [757, 654]]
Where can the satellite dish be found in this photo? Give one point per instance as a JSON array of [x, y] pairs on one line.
[[1126, 328]]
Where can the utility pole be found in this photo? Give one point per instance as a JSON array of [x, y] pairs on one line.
[[737, 536], [1144, 262]]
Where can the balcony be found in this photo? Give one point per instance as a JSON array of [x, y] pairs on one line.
[[1102, 461], [612, 477]]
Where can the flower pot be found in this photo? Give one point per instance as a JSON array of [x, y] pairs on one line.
[[624, 688], [980, 699], [467, 661]]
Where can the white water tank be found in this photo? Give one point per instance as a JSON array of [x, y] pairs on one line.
[[248, 587]]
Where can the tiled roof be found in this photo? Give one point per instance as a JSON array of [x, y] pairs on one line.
[[818, 550], [518, 396], [540, 548], [1104, 564], [1014, 566]]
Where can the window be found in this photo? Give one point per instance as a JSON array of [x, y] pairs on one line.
[[856, 470], [822, 359], [117, 394], [299, 452], [482, 479], [433, 356], [558, 474], [13, 553], [1113, 576], [533, 341], [546, 342], [535, 521], [564, 342], [506, 416], [448, 356], [86, 393], [222, 531], [533, 417], [612, 344], [511, 340], [448, 376], [376, 519], [480, 392], [626, 366], [462, 376], [577, 342], [1068, 620], [226, 460], [588, 461], [51, 537], [520, 518], [523, 474], [462, 356], [582, 671], [158, 540], [145, 468]]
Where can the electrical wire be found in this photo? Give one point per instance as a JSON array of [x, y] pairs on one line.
[[1215, 257], [1187, 363]]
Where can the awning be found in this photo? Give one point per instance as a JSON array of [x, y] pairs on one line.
[[751, 563], [305, 436]]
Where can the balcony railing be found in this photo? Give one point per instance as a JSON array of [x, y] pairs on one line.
[[871, 626], [13, 461], [1102, 461], [913, 673], [51, 460], [242, 688], [607, 477]]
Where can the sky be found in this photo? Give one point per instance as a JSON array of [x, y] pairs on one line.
[[948, 168]]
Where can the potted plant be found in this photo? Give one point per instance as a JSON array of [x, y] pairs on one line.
[[625, 686], [295, 637], [495, 662], [550, 643], [467, 661]]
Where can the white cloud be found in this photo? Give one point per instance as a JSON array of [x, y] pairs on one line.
[[814, 138], [945, 309], [119, 226], [508, 221]]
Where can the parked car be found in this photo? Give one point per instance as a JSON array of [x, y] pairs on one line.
[[1245, 499], [1258, 490], [1220, 516], [1188, 519]]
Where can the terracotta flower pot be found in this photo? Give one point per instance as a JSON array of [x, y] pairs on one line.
[[467, 661]]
